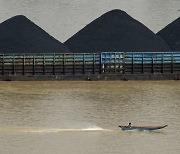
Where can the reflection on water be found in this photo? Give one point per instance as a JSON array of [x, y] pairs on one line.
[[46, 114]]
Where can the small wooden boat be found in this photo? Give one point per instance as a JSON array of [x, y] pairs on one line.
[[141, 128]]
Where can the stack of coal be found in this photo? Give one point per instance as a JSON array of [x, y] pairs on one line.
[[20, 35], [113, 31], [171, 34], [116, 31]]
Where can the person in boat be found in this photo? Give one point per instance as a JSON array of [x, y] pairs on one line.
[[129, 126]]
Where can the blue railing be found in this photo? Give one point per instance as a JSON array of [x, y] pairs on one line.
[[140, 62]]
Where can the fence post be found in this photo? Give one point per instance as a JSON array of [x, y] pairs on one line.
[[3, 65], [84, 63], [100, 63], [34, 64], [44, 64], [143, 63], [132, 63], [162, 63], [152, 70], [115, 63], [94, 61], [54, 61], [64, 71], [124, 62], [24, 64], [172, 62], [73, 63], [13, 64]]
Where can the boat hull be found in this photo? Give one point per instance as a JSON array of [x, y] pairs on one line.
[[142, 128]]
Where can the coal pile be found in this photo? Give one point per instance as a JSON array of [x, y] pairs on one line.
[[20, 35], [116, 31], [171, 34]]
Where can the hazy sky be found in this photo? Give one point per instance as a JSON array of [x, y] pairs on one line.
[[63, 18]]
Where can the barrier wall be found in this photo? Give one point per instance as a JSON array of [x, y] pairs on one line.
[[105, 63], [140, 63], [49, 64]]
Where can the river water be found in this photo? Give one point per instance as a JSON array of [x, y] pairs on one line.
[[82, 117]]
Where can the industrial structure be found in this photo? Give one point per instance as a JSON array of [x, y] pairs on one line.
[[91, 66]]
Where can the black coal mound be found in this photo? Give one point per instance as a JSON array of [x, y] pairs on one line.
[[116, 31], [20, 35], [171, 34]]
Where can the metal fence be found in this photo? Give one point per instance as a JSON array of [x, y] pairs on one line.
[[140, 63], [90, 63], [49, 64]]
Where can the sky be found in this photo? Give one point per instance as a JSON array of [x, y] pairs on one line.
[[64, 18]]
